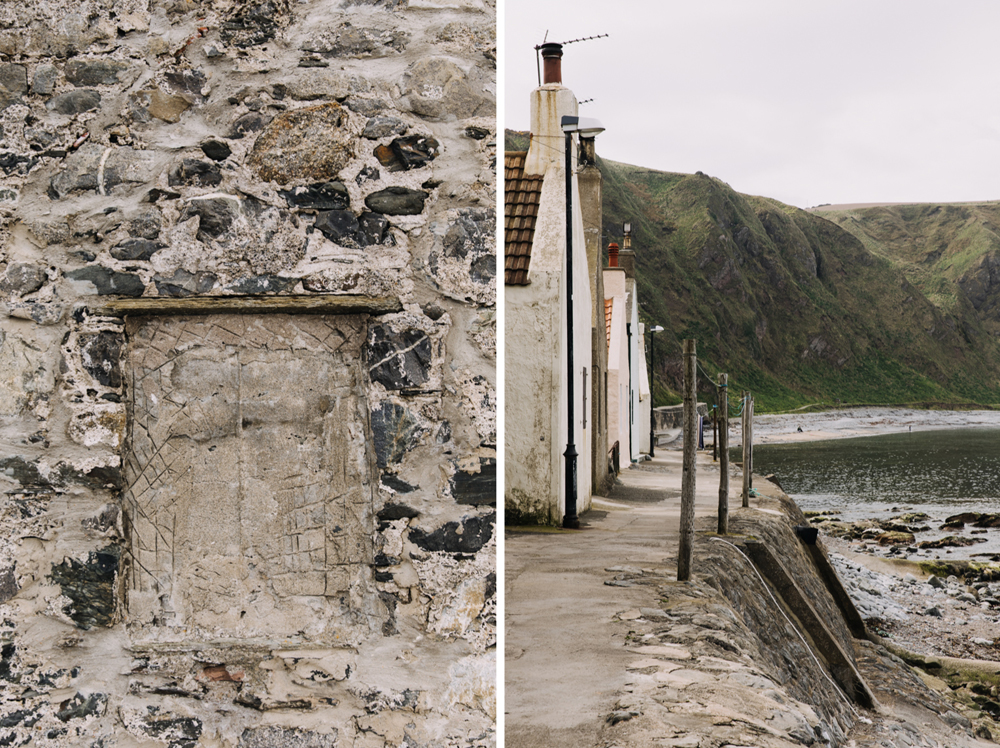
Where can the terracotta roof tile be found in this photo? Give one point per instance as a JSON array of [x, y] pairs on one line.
[[521, 198], [608, 304]]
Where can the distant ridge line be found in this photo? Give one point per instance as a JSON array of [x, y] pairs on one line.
[[859, 206]]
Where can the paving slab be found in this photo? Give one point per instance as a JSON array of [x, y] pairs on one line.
[[566, 659]]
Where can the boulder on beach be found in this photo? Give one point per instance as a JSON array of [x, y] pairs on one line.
[[950, 541]]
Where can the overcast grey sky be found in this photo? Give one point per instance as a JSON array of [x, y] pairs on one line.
[[805, 101]]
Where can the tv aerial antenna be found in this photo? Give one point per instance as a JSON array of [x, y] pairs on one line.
[[538, 50]]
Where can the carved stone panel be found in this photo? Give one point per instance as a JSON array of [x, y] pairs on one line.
[[248, 489]]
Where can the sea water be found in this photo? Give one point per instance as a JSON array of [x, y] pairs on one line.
[[940, 473]]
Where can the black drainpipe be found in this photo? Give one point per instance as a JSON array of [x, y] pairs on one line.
[[631, 414]]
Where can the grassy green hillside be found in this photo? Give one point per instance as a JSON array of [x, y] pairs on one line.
[[947, 251], [801, 310]]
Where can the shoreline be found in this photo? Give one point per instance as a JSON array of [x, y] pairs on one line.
[[928, 616], [865, 421]]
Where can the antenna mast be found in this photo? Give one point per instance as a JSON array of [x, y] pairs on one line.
[[538, 48]]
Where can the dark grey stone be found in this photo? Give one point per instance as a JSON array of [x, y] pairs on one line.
[[476, 489], [90, 587], [146, 225], [8, 99], [397, 201], [249, 123], [373, 229], [44, 81], [23, 278], [24, 472], [109, 282], [136, 249], [477, 133], [444, 433], [395, 432], [284, 737], [38, 138], [101, 353], [321, 196], [382, 126], [14, 77], [433, 311], [312, 61], [155, 194], [475, 533], [176, 732], [94, 72], [104, 520], [216, 150], [8, 584], [254, 23], [26, 717], [16, 162], [472, 233], [367, 174], [74, 102], [195, 173], [99, 477], [410, 152], [43, 314], [182, 283], [81, 706], [261, 284], [399, 486], [366, 107], [187, 81], [339, 226], [398, 360], [216, 216], [484, 269]]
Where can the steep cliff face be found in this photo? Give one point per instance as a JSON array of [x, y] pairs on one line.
[[952, 252], [792, 305]]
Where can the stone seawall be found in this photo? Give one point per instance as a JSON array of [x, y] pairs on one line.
[[247, 373], [761, 648]]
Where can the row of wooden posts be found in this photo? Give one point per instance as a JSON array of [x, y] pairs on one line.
[[721, 442]]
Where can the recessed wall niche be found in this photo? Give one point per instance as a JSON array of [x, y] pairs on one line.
[[248, 498]]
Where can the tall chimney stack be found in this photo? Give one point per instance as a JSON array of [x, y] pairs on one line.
[[551, 63], [613, 255], [550, 102]]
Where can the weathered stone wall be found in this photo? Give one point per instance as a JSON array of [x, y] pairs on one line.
[[250, 527]]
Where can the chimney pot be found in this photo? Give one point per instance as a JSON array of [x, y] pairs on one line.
[[613, 255], [552, 63]]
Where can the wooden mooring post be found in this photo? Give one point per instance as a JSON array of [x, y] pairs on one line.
[[751, 403], [747, 447], [723, 454], [690, 452]]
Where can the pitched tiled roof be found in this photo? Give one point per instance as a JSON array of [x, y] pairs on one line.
[[521, 197], [608, 304]]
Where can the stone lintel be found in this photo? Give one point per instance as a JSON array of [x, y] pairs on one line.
[[249, 305]]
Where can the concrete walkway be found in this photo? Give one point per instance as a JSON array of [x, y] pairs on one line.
[[605, 649], [565, 654]]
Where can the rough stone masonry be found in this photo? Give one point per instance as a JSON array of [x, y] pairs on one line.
[[247, 373]]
